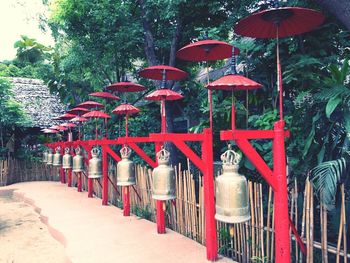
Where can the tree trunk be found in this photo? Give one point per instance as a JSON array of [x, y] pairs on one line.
[[339, 8]]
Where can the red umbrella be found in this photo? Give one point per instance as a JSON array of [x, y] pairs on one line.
[[96, 114], [57, 127], [126, 109], [90, 104], [66, 116], [78, 119], [161, 72], [206, 50], [50, 131], [164, 94], [233, 82], [68, 125], [126, 86], [78, 110], [279, 22], [104, 95]]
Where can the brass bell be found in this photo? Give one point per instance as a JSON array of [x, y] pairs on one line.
[[125, 168], [95, 164], [78, 161], [67, 159], [163, 178], [49, 156], [44, 160], [57, 158], [232, 204]]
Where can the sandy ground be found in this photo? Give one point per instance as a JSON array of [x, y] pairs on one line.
[[23, 237]]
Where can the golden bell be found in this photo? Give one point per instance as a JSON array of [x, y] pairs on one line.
[[57, 158], [95, 164], [44, 160], [125, 168], [163, 178], [67, 159], [232, 204], [78, 161], [49, 156]]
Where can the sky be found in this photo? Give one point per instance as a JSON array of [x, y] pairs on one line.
[[20, 17]]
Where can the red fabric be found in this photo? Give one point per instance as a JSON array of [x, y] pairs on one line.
[[68, 124], [125, 109], [206, 50], [126, 87], [58, 127], [66, 116], [50, 131], [232, 83], [78, 119], [296, 21], [78, 110], [90, 104], [96, 114], [156, 72], [105, 95], [164, 94]]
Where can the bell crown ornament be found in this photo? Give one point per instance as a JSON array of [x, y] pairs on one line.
[[58, 149], [230, 160], [95, 152], [77, 150], [125, 152], [163, 156], [67, 150]]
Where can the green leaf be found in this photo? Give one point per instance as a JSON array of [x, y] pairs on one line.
[[332, 105]]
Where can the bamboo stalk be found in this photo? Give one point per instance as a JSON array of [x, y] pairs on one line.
[[296, 216], [250, 185], [311, 251], [262, 224], [344, 222]]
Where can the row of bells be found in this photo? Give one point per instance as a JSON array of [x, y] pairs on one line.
[[232, 204]]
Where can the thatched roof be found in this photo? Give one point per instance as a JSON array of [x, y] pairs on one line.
[[39, 104]]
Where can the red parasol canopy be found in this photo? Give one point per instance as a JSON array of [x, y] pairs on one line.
[[66, 116], [164, 94], [90, 104], [68, 124], [289, 21], [78, 119], [58, 127], [126, 86], [104, 95], [156, 72], [78, 110], [125, 108], [206, 50], [96, 114], [233, 82], [50, 131]]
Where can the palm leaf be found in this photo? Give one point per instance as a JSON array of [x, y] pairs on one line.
[[325, 178]]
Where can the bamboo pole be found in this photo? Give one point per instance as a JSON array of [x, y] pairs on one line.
[[268, 224], [344, 222]]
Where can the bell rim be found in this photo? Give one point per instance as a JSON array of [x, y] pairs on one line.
[[232, 219], [126, 183], [94, 176], [163, 197], [78, 170]]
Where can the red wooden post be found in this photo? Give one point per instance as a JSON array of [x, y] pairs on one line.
[[209, 200], [126, 200], [160, 216], [62, 174], [104, 176], [281, 196], [69, 175], [90, 182], [79, 182]]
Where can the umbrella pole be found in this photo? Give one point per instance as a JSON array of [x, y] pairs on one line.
[[233, 113], [163, 125], [126, 126], [279, 78], [96, 132], [210, 99]]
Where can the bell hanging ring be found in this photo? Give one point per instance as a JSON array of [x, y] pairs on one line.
[[163, 178], [78, 162], [232, 204], [67, 159], [49, 156], [57, 158], [95, 165], [125, 168]]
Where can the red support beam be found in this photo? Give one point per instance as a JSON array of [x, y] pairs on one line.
[[69, 175], [249, 134], [160, 212], [79, 181], [142, 154], [257, 161], [62, 174], [183, 147], [90, 182]]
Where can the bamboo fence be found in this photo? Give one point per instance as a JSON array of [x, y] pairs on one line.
[[252, 241]]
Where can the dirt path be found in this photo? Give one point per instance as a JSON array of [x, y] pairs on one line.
[[23, 237]]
